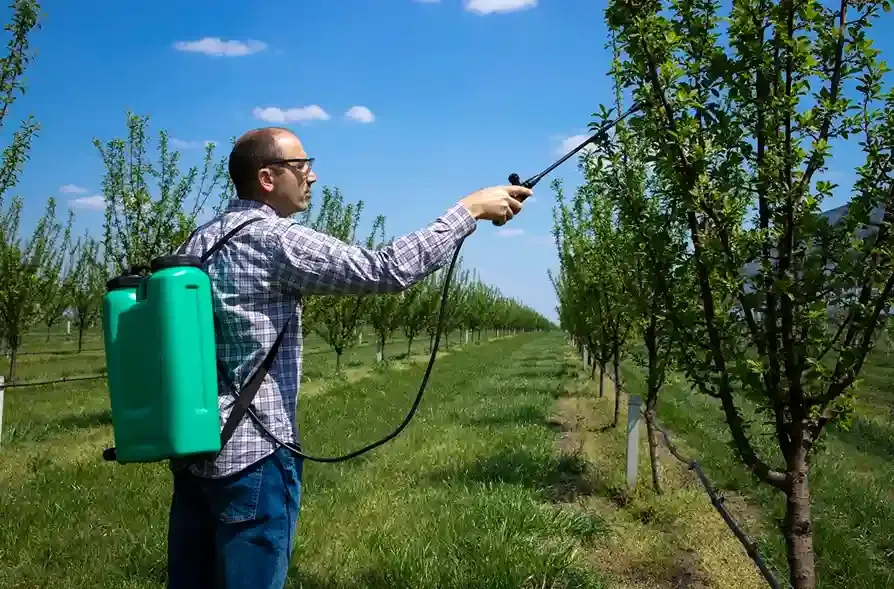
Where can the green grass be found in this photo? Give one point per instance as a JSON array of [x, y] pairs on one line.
[[471, 494], [851, 476]]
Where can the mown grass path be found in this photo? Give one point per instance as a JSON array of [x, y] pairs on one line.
[[472, 494]]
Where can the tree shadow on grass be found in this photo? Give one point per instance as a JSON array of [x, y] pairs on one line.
[[531, 415], [511, 416], [554, 389], [85, 420], [558, 478], [548, 371]]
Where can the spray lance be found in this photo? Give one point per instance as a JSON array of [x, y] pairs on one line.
[[161, 323]]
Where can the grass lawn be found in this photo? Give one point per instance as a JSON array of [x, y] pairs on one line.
[[472, 494], [505, 478]]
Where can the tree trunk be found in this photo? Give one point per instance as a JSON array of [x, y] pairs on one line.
[[617, 390], [81, 330], [380, 354], [13, 350], [49, 329], [338, 360], [653, 445], [797, 526], [601, 378], [409, 346]]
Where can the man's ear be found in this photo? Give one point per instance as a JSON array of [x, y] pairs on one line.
[[265, 179]]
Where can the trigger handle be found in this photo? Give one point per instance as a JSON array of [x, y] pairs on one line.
[[516, 181]]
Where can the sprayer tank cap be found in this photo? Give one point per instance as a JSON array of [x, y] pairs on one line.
[[122, 282], [175, 261]]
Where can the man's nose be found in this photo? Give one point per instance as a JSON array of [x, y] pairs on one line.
[[311, 178]]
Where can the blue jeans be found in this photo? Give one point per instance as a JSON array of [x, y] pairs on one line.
[[235, 532]]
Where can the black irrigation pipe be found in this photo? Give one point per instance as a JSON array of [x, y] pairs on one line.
[[71, 352], [15, 385], [716, 500]]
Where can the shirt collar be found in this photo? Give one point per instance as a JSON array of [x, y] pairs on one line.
[[244, 204]]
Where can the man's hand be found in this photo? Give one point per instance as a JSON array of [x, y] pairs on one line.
[[498, 204]]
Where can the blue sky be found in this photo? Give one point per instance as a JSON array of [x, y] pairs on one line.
[[461, 92]]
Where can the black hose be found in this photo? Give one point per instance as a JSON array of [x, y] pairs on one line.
[[431, 362], [513, 179]]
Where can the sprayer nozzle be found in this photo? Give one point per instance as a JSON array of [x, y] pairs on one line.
[[514, 179]]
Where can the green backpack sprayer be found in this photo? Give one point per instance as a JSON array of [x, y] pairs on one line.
[[162, 365]]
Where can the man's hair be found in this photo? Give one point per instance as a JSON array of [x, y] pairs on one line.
[[249, 154]]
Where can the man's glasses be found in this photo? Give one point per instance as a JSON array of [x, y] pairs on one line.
[[300, 164]]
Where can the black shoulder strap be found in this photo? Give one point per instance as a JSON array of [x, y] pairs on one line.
[[246, 393], [223, 240]]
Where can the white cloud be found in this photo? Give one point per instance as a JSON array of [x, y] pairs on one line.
[[91, 203], [497, 6], [361, 114], [72, 189], [218, 47], [301, 114], [181, 144], [569, 143], [510, 232]]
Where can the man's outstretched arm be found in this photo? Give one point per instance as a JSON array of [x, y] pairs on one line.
[[315, 263]]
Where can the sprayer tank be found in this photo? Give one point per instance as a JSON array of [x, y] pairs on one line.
[[160, 353]]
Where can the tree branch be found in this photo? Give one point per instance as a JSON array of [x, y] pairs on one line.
[[834, 88]]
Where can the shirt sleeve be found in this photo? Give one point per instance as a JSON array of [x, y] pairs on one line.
[[312, 262]]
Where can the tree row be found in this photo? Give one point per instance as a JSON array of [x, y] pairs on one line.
[[709, 238]]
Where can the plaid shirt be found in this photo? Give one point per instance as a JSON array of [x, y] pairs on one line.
[[259, 278]]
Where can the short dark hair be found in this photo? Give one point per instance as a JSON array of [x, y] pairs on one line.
[[249, 154]]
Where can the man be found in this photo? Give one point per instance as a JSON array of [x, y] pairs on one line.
[[232, 518]]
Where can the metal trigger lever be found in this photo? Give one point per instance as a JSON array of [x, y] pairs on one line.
[[516, 181]]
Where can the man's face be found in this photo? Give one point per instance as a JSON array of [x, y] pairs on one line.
[[287, 183]]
